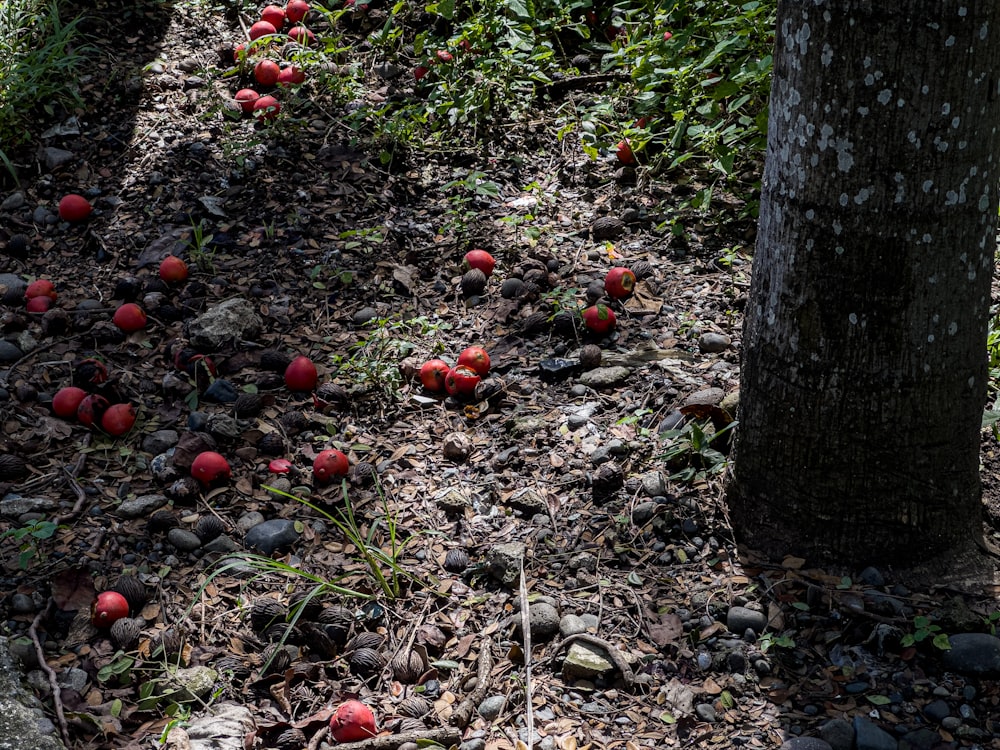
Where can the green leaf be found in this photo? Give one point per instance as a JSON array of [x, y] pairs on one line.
[[878, 700], [446, 664], [668, 718], [942, 642]]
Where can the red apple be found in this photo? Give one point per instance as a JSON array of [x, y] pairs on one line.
[[599, 318], [330, 464], [461, 381], [352, 721], [619, 282], [301, 35], [475, 358], [40, 288], [273, 15], [118, 419], [209, 467], [291, 76], [261, 28], [74, 207], [266, 72], [296, 10], [432, 374], [246, 98], [301, 374], [173, 269], [38, 304], [480, 259], [266, 108], [109, 607], [67, 400], [90, 409], [129, 317]]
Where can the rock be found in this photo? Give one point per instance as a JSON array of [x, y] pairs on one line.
[[21, 604], [571, 625], [740, 619], [19, 715], [504, 561], [606, 482], [221, 391], [838, 733], [54, 158], [195, 683], [13, 201], [523, 426], [585, 662], [278, 534], [937, 710], [14, 506], [248, 520], [453, 500], [74, 679], [491, 706], [364, 316], [543, 621], [137, 507], [12, 289], [474, 743], [555, 370], [870, 737], [706, 712], [871, 577], [184, 540], [713, 343], [605, 377], [804, 743], [654, 484], [456, 447], [9, 353], [972, 654], [160, 441], [529, 501], [642, 513], [222, 545], [225, 324], [582, 414]]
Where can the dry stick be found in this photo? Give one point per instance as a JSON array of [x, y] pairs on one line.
[[444, 736], [616, 657], [526, 635], [53, 682], [462, 716], [71, 474]]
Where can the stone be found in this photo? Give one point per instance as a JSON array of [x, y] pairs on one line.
[[585, 662], [491, 706], [571, 625], [543, 621], [805, 743], [13, 201], [195, 683], [642, 513], [74, 679], [937, 710], [706, 712], [364, 316], [654, 484], [9, 353], [278, 534], [137, 507], [868, 736], [556, 369], [474, 743], [223, 545], [713, 343], [504, 561], [739, 619], [19, 725], [184, 540], [160, 441], [528, 500], [582, 414], [838, 733], [12, 289], [14, 506], [973, 654], [871, 577], [225, 324], [605, 377], [54, 158]]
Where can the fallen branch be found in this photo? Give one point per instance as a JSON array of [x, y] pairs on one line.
[[462, 716], [616, 656], [444, 736], [53, 680]]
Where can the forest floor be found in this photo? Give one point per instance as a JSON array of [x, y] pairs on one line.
[[587, 489]]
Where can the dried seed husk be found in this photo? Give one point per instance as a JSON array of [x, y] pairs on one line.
[[456, 560], [642, 269], [590, 356], [276, 660], [12, 467], [239, 668], [366, 662], [306, 605], [407, 666], [407, 724], [209, 528], [167, 645], [291, 739], [607, 228], [266, 612], [126, 631], [271, 444], [274, 360], [294, 422], [473, 282], [134, 591], [161, 520], [248, 405], [338, 623], [414, 706], [366, 639]]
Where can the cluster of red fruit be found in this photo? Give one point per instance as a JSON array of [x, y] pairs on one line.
[[619, 283], [441, 57], [93, 409], [438, 376], [267, 72]]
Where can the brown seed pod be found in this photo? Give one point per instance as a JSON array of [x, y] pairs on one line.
[[535, 324], [365, 639], [332, 393], [134, 591], [238, 667], [280, 632], [306, 605], [276, 660], [406, 724], [366, 662], [291, 739], [126, 631], [248, 405], [607, 228], [167, 645], [642, 269], [364, 474], [407, 666], [271, 444], [209, 528], [274, 360], [415, 706], [456, 560], [12, 467], [590, 356], [265, 612], [294, 422], [161, 520], [338, 623], [473, 282]]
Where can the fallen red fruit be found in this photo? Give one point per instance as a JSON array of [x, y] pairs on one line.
[[173, 269], [266, 108], [261, 28], [90, 409], [599, 318], [246, 98], [240, 52], [38, 304], [266, 72], [109, 607], [67, 400], [330, 464], [432, 374], [74, 207], [91, 371], [461, 381], [209, 467], [619, 282], [296, 10], [118, 419], [273, 15], [301, 374], [301, 35], [40, 288], [129, 317], [624, 153], [352, 721], [444, 56], [420, 71], [475, 358], [667, 36], [480, 259], [280, 466], [291, 76]]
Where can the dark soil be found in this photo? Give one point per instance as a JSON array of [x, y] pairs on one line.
[[336, 253]]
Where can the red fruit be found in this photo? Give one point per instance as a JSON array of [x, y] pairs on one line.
[[599, 318], [266, 108], [118, 419], [273, 15], [291, 76], [129, 317], [90, 409], [67, 400], [266, 72], [246, 99], [420, 71], [461, 381], [302, 35], [619, 282], [40, 288], [38, 304], [432, 374], [329, 464], [280, 466], [91, 371], [624, 153], [173, 269], [209, 467], [465, 44], [107, 608], [475, 358], [301, 375], [352, 721], [667, 36], [444, 56], [480, 259], [240, 52], [296, 10], [74, 207], [261, 28]]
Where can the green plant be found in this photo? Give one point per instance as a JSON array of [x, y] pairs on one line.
[[924, 628], [690, 453], [769, 640], [199, 247], [27, 538], [991, 620]]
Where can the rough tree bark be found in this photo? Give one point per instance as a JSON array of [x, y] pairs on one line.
[[864, 347]]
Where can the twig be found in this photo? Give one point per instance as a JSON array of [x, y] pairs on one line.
[[443, 736], [72, 473], [462, 716], [526, 637], [616, 657], [53, 681]]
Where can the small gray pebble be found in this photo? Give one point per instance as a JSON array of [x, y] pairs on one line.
[[184, 540]]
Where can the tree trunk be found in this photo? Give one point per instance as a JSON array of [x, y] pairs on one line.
[[864, 348]]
